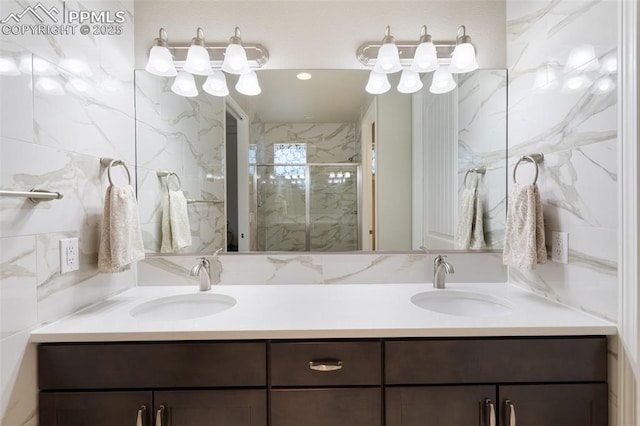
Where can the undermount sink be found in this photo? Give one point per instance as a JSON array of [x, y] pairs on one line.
[[186, 306], [462, 303]]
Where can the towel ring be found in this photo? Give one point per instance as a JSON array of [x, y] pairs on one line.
[[168, 174], [110, 162], [533, 158], [477, 170]]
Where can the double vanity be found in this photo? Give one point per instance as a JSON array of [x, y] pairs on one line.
[[280, 355]]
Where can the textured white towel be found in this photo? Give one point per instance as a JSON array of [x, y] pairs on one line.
[[121, 239], [470, 229], [176, 230], [524, 245]]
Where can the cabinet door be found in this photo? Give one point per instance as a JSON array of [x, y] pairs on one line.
[[95, 408], [323, 407], [441, 406], [554, 405], [245, 407]]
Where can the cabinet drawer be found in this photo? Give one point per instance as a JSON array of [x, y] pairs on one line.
[[151, 365], [322, 407], [336, 363], [497, 360]]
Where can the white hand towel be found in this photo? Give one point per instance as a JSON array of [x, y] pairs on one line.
[[470, 229], [121, 239], [176, 230], [524, 245]]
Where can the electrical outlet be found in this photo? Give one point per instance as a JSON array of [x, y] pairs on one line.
[[69, 255], [560, 247]]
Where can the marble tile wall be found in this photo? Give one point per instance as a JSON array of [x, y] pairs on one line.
[[57, 122], [185, 136], [316, 268], [482, 142], [569, 113]]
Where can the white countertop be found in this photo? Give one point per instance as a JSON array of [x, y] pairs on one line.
[[322, 311]]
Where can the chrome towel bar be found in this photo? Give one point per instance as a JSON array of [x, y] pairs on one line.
[[35, 195]]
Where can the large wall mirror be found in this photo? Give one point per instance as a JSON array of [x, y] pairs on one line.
[[320, 165]]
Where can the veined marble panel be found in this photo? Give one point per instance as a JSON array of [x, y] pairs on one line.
[[185, 136], [18, 381], [16, 107], [18, 305], [326, 142], [568, 111], [482, 142]]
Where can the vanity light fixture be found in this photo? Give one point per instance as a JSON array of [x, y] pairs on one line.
[[235, 57], [184, 85], [198, 61], [464, 55], [388, 59], [160, 60], [426, 57]]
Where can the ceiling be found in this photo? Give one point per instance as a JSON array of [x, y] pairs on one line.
[[329, 96]]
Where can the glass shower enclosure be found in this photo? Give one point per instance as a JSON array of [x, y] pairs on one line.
[[306, 206]]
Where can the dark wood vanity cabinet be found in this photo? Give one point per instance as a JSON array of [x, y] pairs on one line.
[[396, 382], [326, 383], [497, 381], [160, 384]]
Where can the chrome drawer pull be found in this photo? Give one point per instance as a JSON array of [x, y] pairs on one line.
[[325, 365], [139, 418], [160, 415], [492, 412], [512, 413]]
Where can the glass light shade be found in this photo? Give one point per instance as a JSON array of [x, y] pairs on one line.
[[443, 82], [235, 60], [463, 59], [609, 65], [546, 80], [248, 84], [38, 66], [198, 61], [8, 67], [78, 85], [378, 83], [604, 85], [582, 58], [49, 86], [388, 60], [575, 83], [425, 59], [409, 82], [160, 62], [76, 66], [184, 85], [216, 84]]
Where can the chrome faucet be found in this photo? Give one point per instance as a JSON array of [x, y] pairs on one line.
[[202, 270], [440, 268]]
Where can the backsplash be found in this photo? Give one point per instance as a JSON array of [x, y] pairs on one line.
[[571, 117], [321, 268], [77, 108]]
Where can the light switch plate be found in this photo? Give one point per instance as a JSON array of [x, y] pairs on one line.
[[69, 255]]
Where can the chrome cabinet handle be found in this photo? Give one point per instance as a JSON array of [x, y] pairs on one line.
[[491, 410], [139, 419], [160, 415], [325, 365], [512, 413]]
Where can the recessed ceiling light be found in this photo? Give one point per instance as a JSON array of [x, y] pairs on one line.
[[304, 76]]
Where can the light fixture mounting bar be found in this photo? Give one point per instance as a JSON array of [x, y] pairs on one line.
[[368, 51], [257, 54]]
